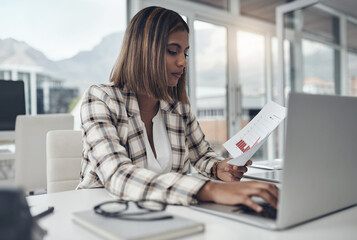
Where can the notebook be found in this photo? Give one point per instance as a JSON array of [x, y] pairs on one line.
[[115, 229], [320, 163]]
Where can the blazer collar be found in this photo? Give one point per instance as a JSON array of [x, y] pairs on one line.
[[171, 107]]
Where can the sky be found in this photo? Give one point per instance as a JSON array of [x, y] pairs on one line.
[[61, 28]]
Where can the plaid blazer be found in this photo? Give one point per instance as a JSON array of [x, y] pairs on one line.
[[114, 154]]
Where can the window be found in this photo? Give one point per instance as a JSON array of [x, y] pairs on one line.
[[274, 49], [251, 75], [318, 68], [352, 74], [251, 64], [314, 52], [211, 82], [59, 48], [352, 58]]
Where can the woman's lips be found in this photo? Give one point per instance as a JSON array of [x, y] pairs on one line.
[[178, 75]]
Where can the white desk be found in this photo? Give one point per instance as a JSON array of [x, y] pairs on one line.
[[341, 225]]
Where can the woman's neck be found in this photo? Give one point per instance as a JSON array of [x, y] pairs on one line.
[[147, 104]]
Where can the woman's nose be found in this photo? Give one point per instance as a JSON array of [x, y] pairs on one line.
[[182, 61]]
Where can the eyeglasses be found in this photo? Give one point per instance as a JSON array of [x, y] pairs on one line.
[[119, 209]]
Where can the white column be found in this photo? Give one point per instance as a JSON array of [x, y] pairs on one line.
[[14, 75], [33, 93], [343, 56], [298, 55], [234, 92], [46, 96], [27, 83], [234, 7], [269, 87], [191, 70]]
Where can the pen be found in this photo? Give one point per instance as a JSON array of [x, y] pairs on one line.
[[44, 213]]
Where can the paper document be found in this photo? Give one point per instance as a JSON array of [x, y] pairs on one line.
[[246, 142]]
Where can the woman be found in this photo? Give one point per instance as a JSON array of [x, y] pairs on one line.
[[139, 132]]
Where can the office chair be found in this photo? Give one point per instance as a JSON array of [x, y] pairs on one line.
[[30, 148], [64, 155]]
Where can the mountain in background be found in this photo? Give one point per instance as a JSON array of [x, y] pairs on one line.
[[94, 66], [13, 52], [81, 70]]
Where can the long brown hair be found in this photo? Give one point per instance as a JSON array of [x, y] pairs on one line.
[[140, 65]]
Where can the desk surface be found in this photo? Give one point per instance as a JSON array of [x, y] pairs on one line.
[[341, 225]]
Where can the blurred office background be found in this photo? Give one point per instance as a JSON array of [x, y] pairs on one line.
[[60, 48]]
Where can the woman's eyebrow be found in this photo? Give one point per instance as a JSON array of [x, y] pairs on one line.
[[177, 45]]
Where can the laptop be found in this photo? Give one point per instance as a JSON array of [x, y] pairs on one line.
[[320, 163]]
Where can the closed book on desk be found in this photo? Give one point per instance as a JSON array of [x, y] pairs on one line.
[[116, 228]]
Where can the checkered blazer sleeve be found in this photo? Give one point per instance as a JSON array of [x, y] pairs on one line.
[[201, 155], [106, 162]]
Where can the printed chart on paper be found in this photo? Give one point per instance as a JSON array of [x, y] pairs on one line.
[[246, 142]]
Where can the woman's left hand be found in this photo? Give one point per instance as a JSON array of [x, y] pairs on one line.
[[229, 173]]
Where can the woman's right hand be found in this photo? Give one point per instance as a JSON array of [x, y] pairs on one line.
[[239, 193]]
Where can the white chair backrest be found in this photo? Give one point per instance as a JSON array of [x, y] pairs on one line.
[[64, 156], [30, 147]]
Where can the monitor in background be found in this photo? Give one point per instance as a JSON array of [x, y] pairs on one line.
[[12, 103]]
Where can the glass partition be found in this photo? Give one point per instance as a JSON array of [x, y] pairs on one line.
[[318, 68], [211, 82], [251, 75], [352, 74], [315, 60]]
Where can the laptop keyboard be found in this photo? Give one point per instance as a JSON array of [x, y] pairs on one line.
[[268, 211]]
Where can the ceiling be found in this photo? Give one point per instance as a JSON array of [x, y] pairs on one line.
[[261, 9], [221, 4], [348, 7], [316, 21], [265, 9]]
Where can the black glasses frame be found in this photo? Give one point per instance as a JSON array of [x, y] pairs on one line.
[[132, 216]]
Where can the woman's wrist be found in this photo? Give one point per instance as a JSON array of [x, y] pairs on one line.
[[214, 170], [206, 192]]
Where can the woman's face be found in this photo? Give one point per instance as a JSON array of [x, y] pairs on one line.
[[176, 56]]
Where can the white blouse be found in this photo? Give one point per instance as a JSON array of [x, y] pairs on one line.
[[163, 162]]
